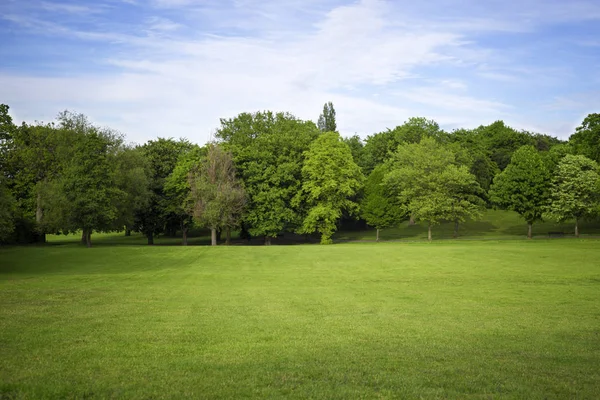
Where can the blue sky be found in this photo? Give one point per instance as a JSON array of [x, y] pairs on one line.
[[172, 68]]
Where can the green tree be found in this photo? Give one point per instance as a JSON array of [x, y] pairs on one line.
[[586, 139], [268, 151], [357, 148], [523, 186], [7, 212], [479, 158], [155, 217], [7, 202], [132, 179], [217, 196], [89, 186], [379, 148], [378, 206], [178, 189], [417, 128], [575, 190], [502, 141], [331, 179], [326, 121], [431, 185]]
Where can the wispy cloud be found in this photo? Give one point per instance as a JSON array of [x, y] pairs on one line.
[[175, 67]]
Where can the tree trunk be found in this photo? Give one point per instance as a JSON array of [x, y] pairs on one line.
[[576, 228], [84, 237], [88, 238], [184, 230], [219, 231], [213, 237], [377, 239], [429, 232], [267, 240], [455, 229], [411, 221], [228, 236], [150, 237], [127, 232], [529, 225]]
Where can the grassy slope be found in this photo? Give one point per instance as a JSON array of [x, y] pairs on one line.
[[512, 319], [495, 224]]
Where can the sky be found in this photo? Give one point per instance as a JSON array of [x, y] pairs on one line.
[[173, 68]]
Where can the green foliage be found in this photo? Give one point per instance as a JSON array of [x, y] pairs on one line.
[[357, 148], [268, 151], [417, 128], [326, 121], [575, 189], [586, 139], [523, 186], [378, 148], [502, 141], [217, 196], [7, 212], [177, 185], [379, 207], [431, 186], [89, 185], [132, 179], [553, 156], [155, 217], [330, 179], [477, 157]]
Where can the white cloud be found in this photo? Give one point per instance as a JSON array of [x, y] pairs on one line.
[[164, 83]]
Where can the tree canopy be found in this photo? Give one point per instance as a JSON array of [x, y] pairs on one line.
[[523, 186]]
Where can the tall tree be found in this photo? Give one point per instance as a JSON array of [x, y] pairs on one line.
[[268, 151], [326, 121], [7, 202], [575, 190], [89, 186], [178, 189], [331, 179], [586, 139], [7, 212], [132, 179], [431, 185], [161, 155], [379, 148], [502, 141], [378, 206], [217, 196], [523, 186]]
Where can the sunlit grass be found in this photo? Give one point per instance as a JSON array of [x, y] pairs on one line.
[[509, 319]]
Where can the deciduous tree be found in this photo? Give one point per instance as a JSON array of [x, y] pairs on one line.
[[586, 139], [330, 179], [575, 190], [431, 186], [523, 186], [378, 206], [217, 196], [327, 122]]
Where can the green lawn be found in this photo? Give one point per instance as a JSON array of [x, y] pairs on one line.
[[472, 319], [495, 224]]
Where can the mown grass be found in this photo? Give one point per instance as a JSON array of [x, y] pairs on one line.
[[508, 319], [495, 224]]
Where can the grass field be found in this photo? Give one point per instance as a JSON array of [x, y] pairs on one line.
[[488, 319], [494, 225]]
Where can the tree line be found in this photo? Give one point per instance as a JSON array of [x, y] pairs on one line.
[[267, 173]]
